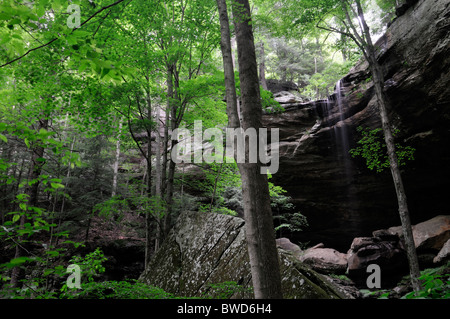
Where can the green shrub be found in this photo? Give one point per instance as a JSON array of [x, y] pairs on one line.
[[435, 284], [117, 290], [373, 149]]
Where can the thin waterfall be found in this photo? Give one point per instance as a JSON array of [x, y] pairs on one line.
[[342, 133], [336, 119]]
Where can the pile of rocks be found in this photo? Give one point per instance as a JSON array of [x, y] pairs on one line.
[[385, 248]]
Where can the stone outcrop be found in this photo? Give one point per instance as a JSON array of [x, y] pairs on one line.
[[287, 99], [444, 254], [275, 86], [287, 245], [388, 253], [429, 235], [341, 198], [325, 260], [386, 249], [429, 238], [208, 248]]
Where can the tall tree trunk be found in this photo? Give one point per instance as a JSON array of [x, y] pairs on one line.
[[148, 217], [262, 67], [116, 163], [158, 167], [172, 165], [344, 50], [378, 80], [165, 146], [158, 153], [235, 67], [260, 233]]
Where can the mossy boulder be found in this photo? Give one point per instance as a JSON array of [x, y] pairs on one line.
[[208, 248]]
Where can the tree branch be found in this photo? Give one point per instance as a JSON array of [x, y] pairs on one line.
[[54, 39]]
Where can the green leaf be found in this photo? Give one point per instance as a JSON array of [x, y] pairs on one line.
[[3, 138], [15, 21], [17, 262], [53, 253], [57, 185], [83, 65], [15, 218], [105, 71]]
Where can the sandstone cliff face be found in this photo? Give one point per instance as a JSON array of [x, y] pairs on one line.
[[340, 196]]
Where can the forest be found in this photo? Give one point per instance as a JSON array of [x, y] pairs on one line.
[[116, 120]]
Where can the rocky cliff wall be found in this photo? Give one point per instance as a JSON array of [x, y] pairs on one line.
[[341, 198]]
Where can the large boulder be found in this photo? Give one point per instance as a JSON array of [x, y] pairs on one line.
[[429, 235], [276, 86], [387, 253], [287, 99], [208, 248], [285, 244], [325, 260]]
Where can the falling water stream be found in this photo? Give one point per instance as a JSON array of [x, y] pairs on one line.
[[342, 134], [341, 140]]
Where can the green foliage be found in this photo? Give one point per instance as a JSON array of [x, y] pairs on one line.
[[268, 102], [227, 290], [292, 222], [285, 216], [117, 290], [134, 289], [217, 209], [43, 265], [435, 284], [91, 264], [219, 177], [322, 84], [373, 149]]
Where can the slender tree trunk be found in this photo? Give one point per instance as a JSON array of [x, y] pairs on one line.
[[158, 154], [260, 235], [61, 211], [397, 178], [165, 148], [166, 128], [148, 217], [235, 67], [344, 48], [216, 181], [158, 168], [262, 67], [116, 163], [378, 80], [171, 117], [171, 171]]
